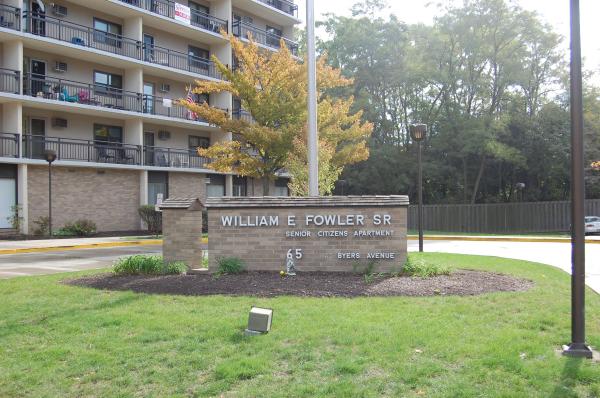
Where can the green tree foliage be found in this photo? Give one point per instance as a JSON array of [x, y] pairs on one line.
[[488, 78]]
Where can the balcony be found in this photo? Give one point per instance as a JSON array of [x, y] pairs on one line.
[[90, 151], [9, 81], [10, 17], [245, 30], [240, 114], [166, 8], [286, 6], [69, 91], [88, 37], [9, 145]]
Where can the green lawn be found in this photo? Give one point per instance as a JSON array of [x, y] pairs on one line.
[[59, 340]]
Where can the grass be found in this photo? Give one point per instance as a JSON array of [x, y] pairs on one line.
[[60, 340]]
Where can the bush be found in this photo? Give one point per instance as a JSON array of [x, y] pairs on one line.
[[152, 218], [424, 269], [43, 226], [230, 265], [78, 228], [147, 265]]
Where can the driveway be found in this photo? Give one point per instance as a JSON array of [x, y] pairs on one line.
[[555, 254]]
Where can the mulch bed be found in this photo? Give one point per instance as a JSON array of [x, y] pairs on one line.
[[310, 284]]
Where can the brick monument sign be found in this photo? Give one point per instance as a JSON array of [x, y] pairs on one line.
[[335, 233]]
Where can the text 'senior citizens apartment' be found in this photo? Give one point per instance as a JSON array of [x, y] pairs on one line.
[[98, 81]]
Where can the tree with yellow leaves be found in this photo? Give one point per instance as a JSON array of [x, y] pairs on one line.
[[596, 165], [272, 88]]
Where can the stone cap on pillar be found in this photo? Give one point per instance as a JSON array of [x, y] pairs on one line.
[[308, 201], [193, 204]]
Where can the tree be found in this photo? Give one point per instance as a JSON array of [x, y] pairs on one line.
[[272, 88]]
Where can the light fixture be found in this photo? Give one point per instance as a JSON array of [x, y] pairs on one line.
[[418, 132], [259, 321]]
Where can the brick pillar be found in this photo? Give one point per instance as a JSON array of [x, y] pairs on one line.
[[182, 234]]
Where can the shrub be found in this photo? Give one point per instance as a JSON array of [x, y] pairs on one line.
[[424, 269], [16, 217], [81, 227], [230, 265], [147, 265], [43, 226], [152, 218]]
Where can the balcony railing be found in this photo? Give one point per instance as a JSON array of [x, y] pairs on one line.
[[85, 36], [101, 96], [245, 30], [9, 145], [81, 93], [174, 59], [286, 6], [171, 157], [166, 8], [94, 151], [240, 114], [80, 35], [9, 81], [10, 17], [72, 149]]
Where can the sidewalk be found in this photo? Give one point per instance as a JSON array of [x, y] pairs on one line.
[[46, 245]]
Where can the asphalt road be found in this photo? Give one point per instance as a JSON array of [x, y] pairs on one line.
[[12, 265], [555, 254]]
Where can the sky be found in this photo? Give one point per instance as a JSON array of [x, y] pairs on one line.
[[555, 12]]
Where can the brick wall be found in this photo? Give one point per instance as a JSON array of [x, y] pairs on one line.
[[182, 234], [265, 248], [187, 185], [110, 198]]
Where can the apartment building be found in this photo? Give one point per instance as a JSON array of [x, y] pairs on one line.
[[97, 82]]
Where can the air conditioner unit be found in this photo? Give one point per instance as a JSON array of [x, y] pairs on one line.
[[164, 88], [59, 11], [164, 135], [60, 66], [59, 122]]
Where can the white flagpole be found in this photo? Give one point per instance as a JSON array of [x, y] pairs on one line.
[[313, 141]]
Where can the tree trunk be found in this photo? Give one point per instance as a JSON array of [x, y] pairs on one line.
[[266, 186], [479, 175]]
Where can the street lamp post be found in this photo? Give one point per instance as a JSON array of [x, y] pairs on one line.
[[313, 142], [418, 132], [50, 157], [578, 347]]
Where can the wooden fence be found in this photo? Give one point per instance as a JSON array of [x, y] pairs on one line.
[[499, 218]]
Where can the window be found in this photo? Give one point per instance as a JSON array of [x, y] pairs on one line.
[[240, 186], [158, 183], [216, 187], [199, 15], [198, 58], [273, 36], [195, 142], [201, 98], [106, 133], [107, 82], [107, 32], [281, 187]]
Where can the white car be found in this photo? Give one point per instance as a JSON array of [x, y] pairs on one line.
[[592, 225]]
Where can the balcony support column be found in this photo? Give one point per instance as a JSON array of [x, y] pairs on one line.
[[223, 10], [134, 80], [228, 185], [12, 121], [133, 28], [12, 58]]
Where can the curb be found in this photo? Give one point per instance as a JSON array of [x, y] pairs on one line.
[[159, 242]]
